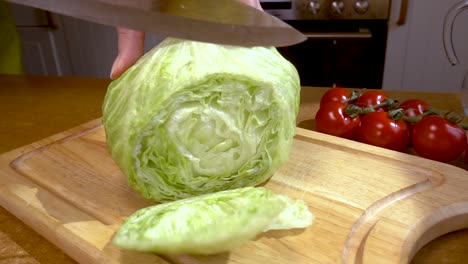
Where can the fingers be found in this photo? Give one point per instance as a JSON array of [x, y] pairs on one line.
[[254, 3], [131, 48]]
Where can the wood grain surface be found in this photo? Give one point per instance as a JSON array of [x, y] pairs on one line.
[[36, 107]]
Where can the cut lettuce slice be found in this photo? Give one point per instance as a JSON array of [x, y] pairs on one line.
[[211, 223]]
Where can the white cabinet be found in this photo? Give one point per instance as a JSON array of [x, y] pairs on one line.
[[43, 52], [59, 45], [415, 58], [43, 44], [92, 47]]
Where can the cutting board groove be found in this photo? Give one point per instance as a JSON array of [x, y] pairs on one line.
[[72, 154]]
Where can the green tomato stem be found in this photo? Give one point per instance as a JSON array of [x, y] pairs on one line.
[[353, 110], [397, 114], [412, 119], [354, 95], [367, 110], [464, 125], [453, 117]]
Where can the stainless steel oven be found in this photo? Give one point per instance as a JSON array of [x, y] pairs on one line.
[[346, 40]]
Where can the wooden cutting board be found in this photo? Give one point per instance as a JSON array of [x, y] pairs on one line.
[[372, 205]]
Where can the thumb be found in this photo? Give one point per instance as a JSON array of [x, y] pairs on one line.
[[131, 48], [254, 3]]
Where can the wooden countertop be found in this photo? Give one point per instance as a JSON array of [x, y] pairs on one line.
[[35, 107]]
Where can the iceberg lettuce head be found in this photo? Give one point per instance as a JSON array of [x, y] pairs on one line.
[[191, 118]]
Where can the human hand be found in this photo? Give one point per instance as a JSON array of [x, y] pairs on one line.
[[131, 44]]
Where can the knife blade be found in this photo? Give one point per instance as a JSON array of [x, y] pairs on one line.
[[217, 21]]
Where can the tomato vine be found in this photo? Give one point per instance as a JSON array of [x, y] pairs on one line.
[[373, 117]]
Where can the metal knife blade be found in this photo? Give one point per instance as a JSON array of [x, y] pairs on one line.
[[217, 21]]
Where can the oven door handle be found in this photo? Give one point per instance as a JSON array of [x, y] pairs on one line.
[[337, 35]]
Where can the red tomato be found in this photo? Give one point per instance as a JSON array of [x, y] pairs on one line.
[[466, 151], [380, 130], [414, 107], [371, 98], [438, 139], [336, 94], [332, 119]]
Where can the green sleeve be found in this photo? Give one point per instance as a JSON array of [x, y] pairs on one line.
[[10, 45]]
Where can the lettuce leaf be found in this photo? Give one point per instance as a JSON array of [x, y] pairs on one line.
[[211, 223]]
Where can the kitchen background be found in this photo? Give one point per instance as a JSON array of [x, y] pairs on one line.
[[414, 56]]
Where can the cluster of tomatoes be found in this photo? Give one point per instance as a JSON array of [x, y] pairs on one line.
[[372, 117]]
